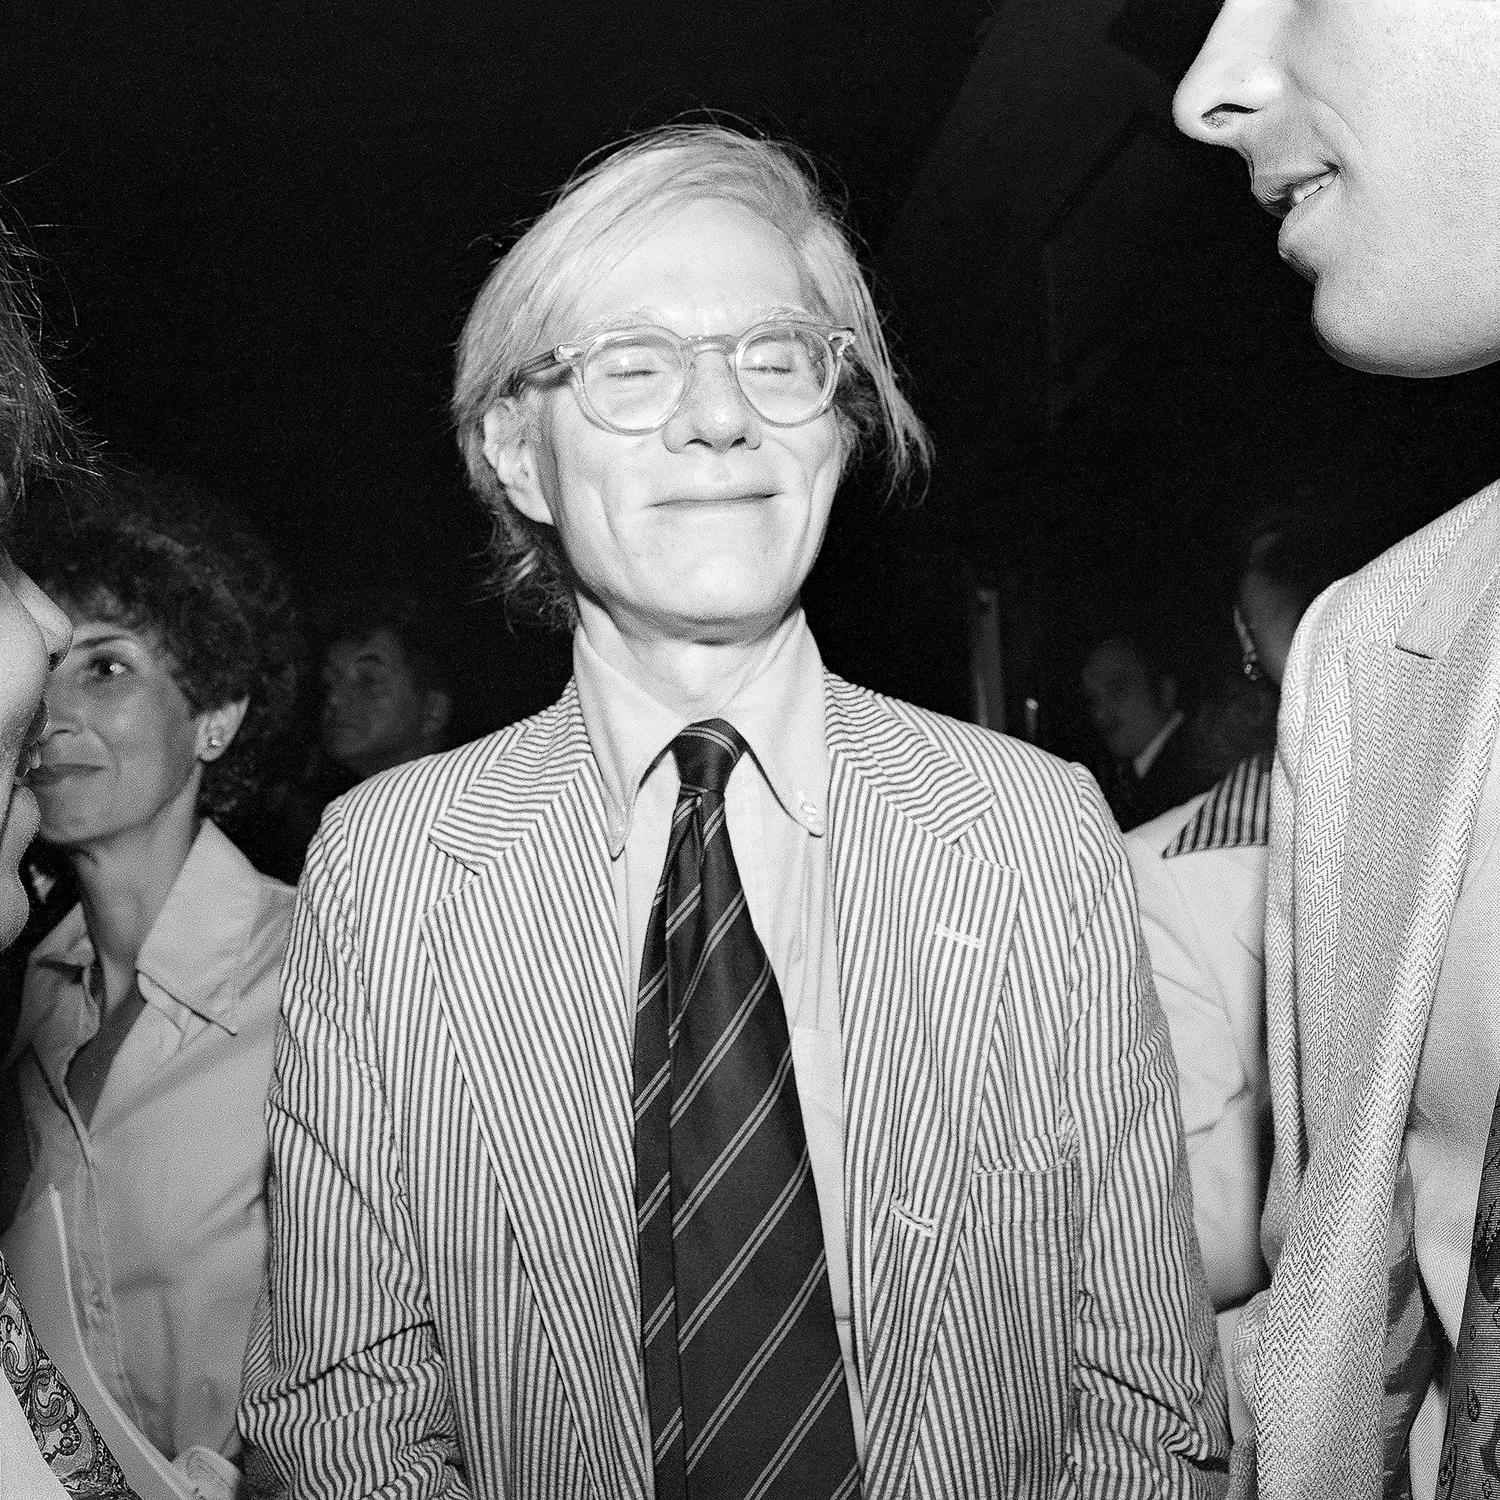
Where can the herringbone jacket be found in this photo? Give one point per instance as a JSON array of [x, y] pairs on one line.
[[1388, 722], [453, 1286]]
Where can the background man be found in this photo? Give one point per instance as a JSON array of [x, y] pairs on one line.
[[870, 1184], [1131, 701], [387, 694], [1372, 128]]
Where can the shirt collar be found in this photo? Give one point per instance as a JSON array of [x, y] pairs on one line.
[[1147, 758], [778, 710], [194, 949]]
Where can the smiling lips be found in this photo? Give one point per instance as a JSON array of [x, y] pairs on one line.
[[1280, 195], [49, 775]]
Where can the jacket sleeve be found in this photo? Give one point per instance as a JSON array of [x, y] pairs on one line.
[[345, 1391], [1151, 1405]]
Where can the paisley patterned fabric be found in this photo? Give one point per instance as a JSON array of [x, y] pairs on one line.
[[1471, 1444], [74, 1451]]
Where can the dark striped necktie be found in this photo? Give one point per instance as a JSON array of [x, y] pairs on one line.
[[744, 1378], [1471, 1442]]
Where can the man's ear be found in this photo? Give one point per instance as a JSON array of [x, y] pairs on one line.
[[217, 728], [437, 707], [510, 452]]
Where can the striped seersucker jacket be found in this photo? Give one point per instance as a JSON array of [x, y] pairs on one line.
[[1388, 723], [452, 1306]]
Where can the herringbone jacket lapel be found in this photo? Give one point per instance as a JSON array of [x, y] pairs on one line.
[[1390, 730]]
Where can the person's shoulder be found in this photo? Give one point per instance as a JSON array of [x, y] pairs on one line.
[[417, 792], [1150, 841], [1381, 594], [1021, 776], [1234, 813]]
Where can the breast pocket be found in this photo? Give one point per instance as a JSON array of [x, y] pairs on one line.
[[1014, 1295]]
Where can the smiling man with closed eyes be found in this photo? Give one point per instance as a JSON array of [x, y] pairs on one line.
[[1372, 129], [728, 1083]]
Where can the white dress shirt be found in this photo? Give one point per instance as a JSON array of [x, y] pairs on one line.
[[776, 803], [163, 1192]]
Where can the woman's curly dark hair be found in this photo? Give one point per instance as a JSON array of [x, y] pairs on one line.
[[158, 555]]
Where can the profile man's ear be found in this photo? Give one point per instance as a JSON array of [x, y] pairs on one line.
[[509, 451], [217, 728]]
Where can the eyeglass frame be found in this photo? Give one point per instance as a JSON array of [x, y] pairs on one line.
[[573, 354]]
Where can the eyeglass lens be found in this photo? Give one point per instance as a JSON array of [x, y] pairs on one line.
[[634, 379]]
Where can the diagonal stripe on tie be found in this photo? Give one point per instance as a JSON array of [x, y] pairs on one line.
[[744, 1377]]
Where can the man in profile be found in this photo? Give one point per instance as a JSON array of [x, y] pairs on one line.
[[1372, 129]]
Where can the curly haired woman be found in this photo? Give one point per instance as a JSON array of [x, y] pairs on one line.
[[143, 1050]]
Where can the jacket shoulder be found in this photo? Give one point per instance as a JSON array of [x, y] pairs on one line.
[[1379, 597], [987, 752], [418, 792]]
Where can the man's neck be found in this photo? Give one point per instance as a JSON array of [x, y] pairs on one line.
[[690, 677]]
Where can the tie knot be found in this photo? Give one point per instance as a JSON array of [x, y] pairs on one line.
[[706, 753]]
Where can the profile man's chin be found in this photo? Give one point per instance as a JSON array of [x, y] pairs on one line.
[[1356, 334]]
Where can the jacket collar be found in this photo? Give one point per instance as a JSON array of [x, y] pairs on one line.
[[1456, 588], [778, 710], [880, 739]]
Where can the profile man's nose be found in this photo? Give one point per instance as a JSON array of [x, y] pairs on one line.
[[1233, 77]]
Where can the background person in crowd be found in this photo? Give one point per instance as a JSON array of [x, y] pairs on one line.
[[48, 1445], [143, 1051], [385, 696], [1372, 128], [894, 1053], [387, 692], [1200, 875], [1132, 702]]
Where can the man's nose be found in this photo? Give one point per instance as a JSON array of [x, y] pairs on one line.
[[1233, 78], [714, 409]]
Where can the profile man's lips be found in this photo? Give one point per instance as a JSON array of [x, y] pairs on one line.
[[1279, 193]]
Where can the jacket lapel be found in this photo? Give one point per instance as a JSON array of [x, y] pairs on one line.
[[526, 954], [1424, 711], [1421, 710], [923, 931]]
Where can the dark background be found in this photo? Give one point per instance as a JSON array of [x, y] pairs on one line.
[[260, 228]]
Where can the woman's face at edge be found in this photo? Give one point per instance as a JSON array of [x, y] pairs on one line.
[[34, 633]]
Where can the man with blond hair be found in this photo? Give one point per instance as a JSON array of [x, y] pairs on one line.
[[729, 1082]]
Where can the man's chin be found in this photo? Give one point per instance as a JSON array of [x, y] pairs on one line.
[[13, 908], [1369, 335]]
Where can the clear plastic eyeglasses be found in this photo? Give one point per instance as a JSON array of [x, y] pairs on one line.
[[634, 380]]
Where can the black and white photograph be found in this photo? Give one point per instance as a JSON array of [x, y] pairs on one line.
[[752, 750]]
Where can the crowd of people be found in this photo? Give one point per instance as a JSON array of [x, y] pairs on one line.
[[729, 1081]]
